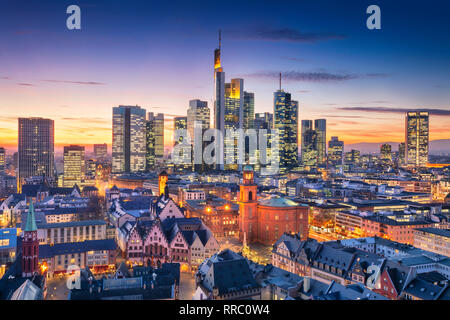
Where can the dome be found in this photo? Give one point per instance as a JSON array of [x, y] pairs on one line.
[[278, 202]]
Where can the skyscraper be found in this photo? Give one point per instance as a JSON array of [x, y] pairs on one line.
[[416, 138], [101, 151], [401, 153], [154, 140], [263, 121], [234, 119], [286, 123], [320, 125], [128, 148], [249, 110], [74, 166], [313, 146], [180, 123], [309, 144], [36, 149], [198, 121], [219, 91], [335, 152]]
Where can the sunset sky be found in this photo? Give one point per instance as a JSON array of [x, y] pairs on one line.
[[159, 55]]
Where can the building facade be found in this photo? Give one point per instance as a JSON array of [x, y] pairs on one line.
[[35, 149], [416, 137], [128, 151]]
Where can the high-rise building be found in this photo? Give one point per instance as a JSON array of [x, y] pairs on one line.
[[263, 121], [2, 159], [313, 146], [155, 140], [180, 123], [386, 152], [101, 151], [401, 153], [285, 119], [219, 91], [128, 148], [309, 144], [320, 126], [353, 157], [74, 166], [335, 152], [416, 138], [198, 121], [234, 120], [249, 110], [36, 149]]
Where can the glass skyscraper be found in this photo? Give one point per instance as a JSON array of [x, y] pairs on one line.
[[154, 140], [320, 125], [198, 121], [249, 110], [184, 158], [335, 152], [128, 145], [286, 123], [309, 144], [36, 149], [313, 145], [416, 140]]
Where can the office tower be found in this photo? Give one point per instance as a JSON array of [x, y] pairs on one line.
[[219, 91], [36, 149], [2, 159], [353, 157], [310, 153], [155, 140], [335, 152], [74, 166], [128, 148], [285, 119], [249, 110], [386, 152], [234, 119], [416, 132], [263, 121], [198, 121], [313, 145], [180, 123], [320, 125], [91, 168], [101, 151], [401, 153]]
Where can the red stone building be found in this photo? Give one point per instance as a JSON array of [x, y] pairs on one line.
[[264, 221]]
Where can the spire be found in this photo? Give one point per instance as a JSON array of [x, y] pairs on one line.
[[280, 81], [220, 37], [31, 220]]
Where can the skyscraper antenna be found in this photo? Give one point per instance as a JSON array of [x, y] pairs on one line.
[[280, 81], [220, 37]]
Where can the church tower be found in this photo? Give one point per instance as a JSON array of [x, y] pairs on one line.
[[30, 245], [162, 183], [248, 207]]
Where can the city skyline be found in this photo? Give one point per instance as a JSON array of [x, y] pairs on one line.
[[364, 90]]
